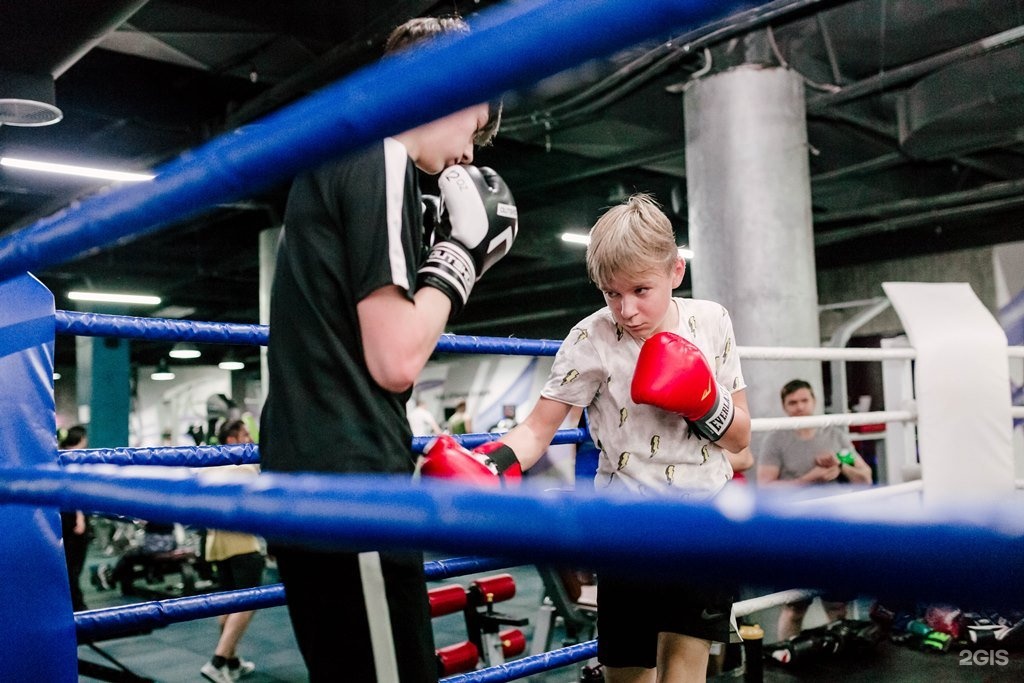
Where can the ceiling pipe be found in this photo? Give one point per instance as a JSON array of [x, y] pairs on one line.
[[909, 72], [833, 237], [948, 200]]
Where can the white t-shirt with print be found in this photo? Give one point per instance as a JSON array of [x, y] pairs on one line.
[[645, 449]]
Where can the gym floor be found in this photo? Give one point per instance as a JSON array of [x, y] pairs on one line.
[[175, 653]]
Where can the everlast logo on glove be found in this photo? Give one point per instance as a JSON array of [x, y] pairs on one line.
[[722, 418]]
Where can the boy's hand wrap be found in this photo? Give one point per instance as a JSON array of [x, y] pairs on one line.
[[489, 464]]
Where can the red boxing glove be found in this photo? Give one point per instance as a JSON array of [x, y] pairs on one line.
[[672, 374], [489, 464]]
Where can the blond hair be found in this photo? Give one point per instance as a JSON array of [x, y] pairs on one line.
[[631, 238], [423, 28]]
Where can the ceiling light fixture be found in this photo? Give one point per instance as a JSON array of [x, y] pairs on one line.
[[68, 169], [230, 364], [163, 372], [111, 298], [577, 238], [28, 99], [185, 351]]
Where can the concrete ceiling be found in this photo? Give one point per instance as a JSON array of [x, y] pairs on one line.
[[915, 121]]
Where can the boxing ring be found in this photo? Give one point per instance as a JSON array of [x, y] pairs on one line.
[[972, 510]]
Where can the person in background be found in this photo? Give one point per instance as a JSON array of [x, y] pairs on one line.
[[422, 421], [239, 562], [815, 455], [508, 419], [812, 456], [75, 527], [459, 422]]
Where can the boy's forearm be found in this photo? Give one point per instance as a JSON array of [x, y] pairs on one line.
[[527, 444], [533, 436], [737, 437]]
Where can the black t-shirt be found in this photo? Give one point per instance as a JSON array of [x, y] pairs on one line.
[[350, 227]]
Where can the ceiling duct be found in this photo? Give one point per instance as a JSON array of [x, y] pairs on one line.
[[45, 39], [965, 107], [27, 100]]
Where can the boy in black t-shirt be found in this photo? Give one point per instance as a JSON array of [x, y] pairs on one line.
[[354, 317]]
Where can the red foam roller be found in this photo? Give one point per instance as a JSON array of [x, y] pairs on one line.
[[457, 658], [496, 588], [513, 642], [446, 600]]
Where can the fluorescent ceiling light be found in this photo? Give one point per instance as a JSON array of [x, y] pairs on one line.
[[231, 365], [67, 169], [184, 350], [56, 376], [110, 298], [577, 238], [162, 373]]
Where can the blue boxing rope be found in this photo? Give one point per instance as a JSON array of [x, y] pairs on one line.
[[395, 94], [164, 329], [109, 622], [243, 454], [164, 456], [971, 553], [158, 329], [526, 666]]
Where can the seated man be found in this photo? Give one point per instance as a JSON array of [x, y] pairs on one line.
[[808, 456]]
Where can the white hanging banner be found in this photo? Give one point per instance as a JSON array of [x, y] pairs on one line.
[[962, 383]]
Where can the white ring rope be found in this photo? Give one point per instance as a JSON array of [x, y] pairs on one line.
[[836, 353], [762, 602], [869, 494], [775, 424], [824, 353]]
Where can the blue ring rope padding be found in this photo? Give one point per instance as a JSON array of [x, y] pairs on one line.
[[164, 329], [99, 624], [395, 94], [450, 343], [161, 329], [738, 534], [108, 622], [242, 454], [165, 456], [532, 664]]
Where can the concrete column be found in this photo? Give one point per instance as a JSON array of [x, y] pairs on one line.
[[748, 189], [268, 261]]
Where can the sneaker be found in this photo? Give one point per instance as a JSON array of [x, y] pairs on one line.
[[245, 667], [99, 576], [217, 674]]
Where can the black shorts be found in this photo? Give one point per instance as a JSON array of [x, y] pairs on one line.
[[329, 614], [241, 571], [631, 613]]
